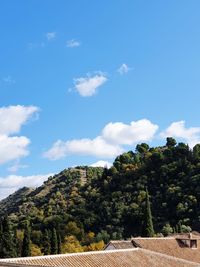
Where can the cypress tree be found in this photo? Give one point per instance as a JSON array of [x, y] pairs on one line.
[[26, 245], [59, 244], [46, 243], [54, 242], [148, 223], [16, 243], [7, 245]]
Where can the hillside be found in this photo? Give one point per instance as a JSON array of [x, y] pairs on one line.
[[12, 202], [57, 192], [111, 202]]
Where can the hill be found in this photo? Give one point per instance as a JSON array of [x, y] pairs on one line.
[[13, 202], [110, 203]]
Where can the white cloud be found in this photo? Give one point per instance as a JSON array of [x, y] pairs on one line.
[[11, 183], [128, 134], [107, 145], [97, 147], [13, 117], [73, 43], [178, 130], [13, 148], [101, 163], [87, 86], [50, 36], [123, 69], [11, 120]]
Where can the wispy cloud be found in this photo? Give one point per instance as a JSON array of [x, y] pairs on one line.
[[123, 69], [87, 86], [50, 36], [17, 166], [36, 45], [8, 80], [73, 43]]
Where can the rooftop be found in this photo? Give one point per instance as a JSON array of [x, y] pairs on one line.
[[135, 257], [179, 246]]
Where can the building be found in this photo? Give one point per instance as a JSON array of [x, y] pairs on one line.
[[134, 257], [185, 246], [174, 251]]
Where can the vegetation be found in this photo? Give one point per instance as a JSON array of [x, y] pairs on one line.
[[148, 223], [7, 245], [83, 208], [26, 245]]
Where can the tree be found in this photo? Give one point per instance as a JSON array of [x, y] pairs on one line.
[[72, 229], [8, 248], [26, 245], [148, 223], [16, 244], [96, 246], [142, 148], [170, 142], [59, 244], [54, 242], [46, 243], [196, 152], [167, 230], [35, 250], [71, 244]]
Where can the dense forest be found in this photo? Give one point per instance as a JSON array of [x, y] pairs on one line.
[[82, 208]]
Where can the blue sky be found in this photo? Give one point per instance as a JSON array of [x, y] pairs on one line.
[[82, 81]]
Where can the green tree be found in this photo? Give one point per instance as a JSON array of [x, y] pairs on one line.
[[15, 241], [54, 242], [8, 248], [72, 229], [26, 245], [167, 230], [46, 243], [170, 142], [142, 148], [196, 151], [148, 222], [59, 244]]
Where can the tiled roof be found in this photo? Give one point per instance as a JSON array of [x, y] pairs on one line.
[[170, 246], [116, 258]]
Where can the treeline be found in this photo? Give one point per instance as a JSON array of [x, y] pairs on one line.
[[27, 242], [149, 191], [15, 243]]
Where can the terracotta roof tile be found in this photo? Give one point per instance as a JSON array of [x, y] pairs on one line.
[[115, 258], [170, 246]]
